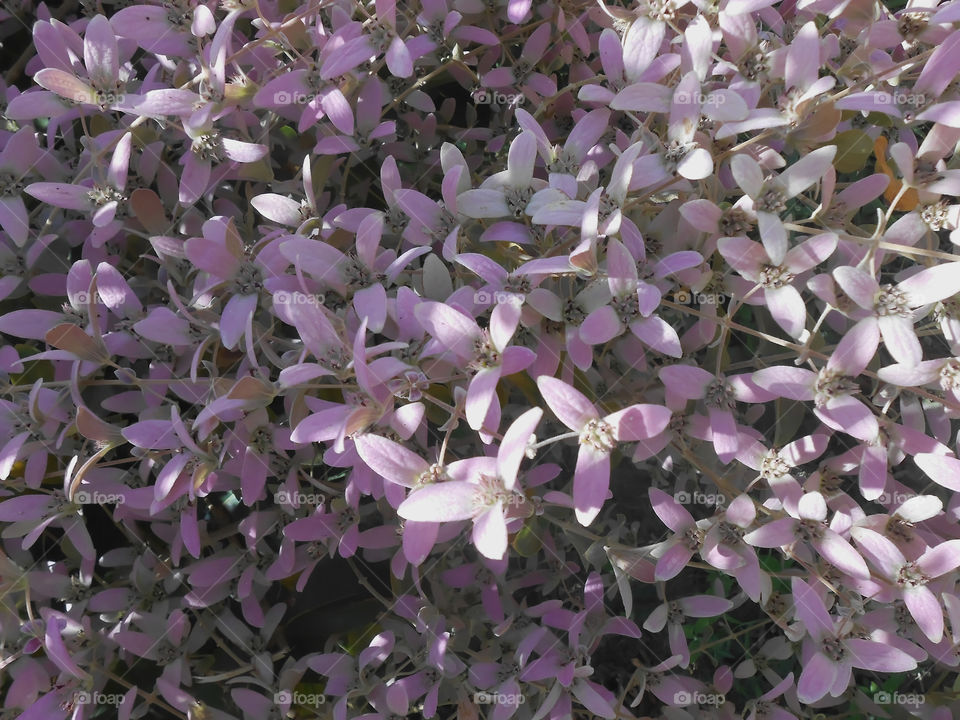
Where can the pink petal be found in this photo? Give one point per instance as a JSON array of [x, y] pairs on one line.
[[849, 415], [672, 562], [514, 445], [858, 286], [926, 610], [591, 481], [933, 284], [569, 405], [818, 676], [788, 309], [639, 422], [481, 394], [778, 533], [601, 326], [444, 502], [841, 553], [389, 460], [686, 381], [490, 533], [900, 339], [879, 657], [881, 552], [418, 540], [785, 381], [856, 348], [941, 559]]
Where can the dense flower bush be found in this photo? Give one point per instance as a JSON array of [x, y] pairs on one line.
[[480, 358]]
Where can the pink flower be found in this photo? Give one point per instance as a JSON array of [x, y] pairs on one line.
[[912, 577], [485, 350], [774, 282], [769, 195], [487, 494], [673, 615], [892, 308], [832, 654], [598, 437], [808, 524]]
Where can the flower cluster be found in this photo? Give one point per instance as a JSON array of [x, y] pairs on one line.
[[479, 358]]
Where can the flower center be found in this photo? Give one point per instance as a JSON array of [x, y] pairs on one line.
[[833, 649], [774, 277], [565, 162], [891, 302], [627, 308], [486, 354], [831, 384], [517, 199], [9, 184], [773, 199], [730, 534], [934, 215], [910, 575], [573, 314], [249, 279], [910, 25], [810, 530], [719, 395], [100, 195], [734, 222], [773, 467], [434, 474], [677, 151], [208, 147], [675, 614], [599, 435]]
